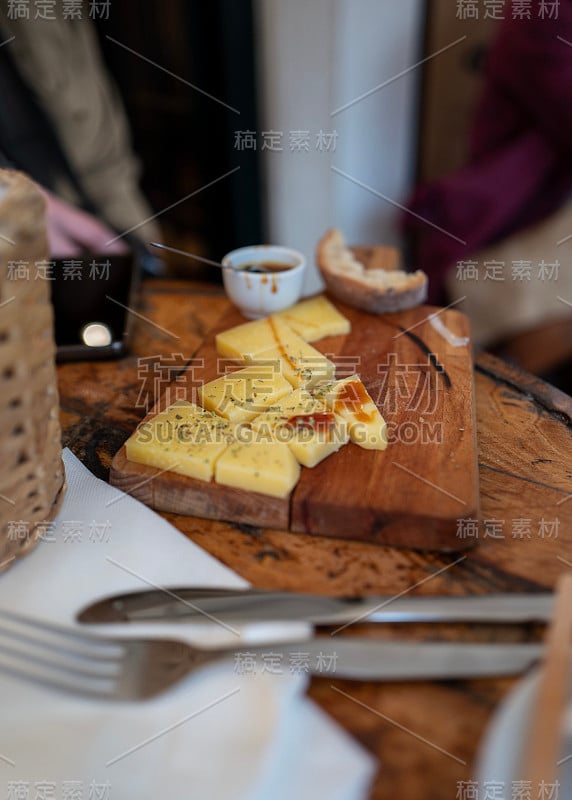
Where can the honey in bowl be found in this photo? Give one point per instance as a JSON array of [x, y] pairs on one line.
[[264, 267], [263, 279]]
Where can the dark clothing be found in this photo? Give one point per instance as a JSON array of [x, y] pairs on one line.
[[29, 143], [520, 165], [27, 139]]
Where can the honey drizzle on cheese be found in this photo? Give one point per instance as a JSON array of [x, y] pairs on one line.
[[280, 345], [352, 397]]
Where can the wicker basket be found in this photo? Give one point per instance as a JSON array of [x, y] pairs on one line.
[[32, 476]]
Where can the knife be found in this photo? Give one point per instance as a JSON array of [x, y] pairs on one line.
[[242, 606], [352, 658]]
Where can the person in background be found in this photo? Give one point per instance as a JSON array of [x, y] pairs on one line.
[[511, 202], [63, 123]]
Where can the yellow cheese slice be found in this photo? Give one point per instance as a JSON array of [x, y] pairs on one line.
[[316, 437], [300, 401], [185, 439], [302, 364], [245, 341], [315, 318], [350, 400], [272, 340], [310, 319], [265, 467], [310, 430], [242, 395]]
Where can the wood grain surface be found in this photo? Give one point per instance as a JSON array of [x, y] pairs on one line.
[[413, 494], [425, 735]]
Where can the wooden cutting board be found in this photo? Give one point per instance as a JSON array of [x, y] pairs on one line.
[[413, 494]]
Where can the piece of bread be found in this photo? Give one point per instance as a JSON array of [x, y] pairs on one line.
[[379, 291]]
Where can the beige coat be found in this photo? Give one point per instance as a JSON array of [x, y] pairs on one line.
[[498, 308], [61, 61]]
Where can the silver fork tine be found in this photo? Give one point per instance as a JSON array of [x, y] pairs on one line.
[[56, 660], [47, 634], [57, 657], [91, 665], [57, 678]]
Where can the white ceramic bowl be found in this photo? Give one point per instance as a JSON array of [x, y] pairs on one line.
[[257, 294]]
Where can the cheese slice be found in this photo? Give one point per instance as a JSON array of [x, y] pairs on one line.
[[185, 439], [310, 319], [242, 395], [272, 340], [310, 430], [317, 436], [315, 318], [302, 364], [349, 399], [300, 401], [245, 342], [266, 467]]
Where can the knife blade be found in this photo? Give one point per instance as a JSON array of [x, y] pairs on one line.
[[242, 606], [353, 658]]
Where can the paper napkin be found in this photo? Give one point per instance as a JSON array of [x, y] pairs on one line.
[[217, 734]]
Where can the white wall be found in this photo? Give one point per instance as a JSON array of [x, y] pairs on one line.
[[315, 56]]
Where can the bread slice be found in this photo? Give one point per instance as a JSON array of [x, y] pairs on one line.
[[379, 291]]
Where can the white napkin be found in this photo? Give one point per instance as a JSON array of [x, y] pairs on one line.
[[217, 734]]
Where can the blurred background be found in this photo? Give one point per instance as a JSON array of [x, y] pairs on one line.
[[289, 68], [270, 121]]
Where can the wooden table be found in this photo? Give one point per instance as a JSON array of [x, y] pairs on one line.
[[425, 735]]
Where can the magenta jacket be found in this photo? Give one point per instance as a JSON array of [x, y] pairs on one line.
[[520, 164]]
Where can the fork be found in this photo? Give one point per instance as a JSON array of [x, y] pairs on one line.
[[99, 667], [128, 668], [108, 668], [116, 668]]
